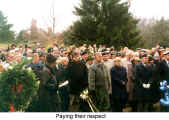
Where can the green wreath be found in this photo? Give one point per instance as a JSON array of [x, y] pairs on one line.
[[17, 87]]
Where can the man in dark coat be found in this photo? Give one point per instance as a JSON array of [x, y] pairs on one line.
[[63, 90], [142, 85], [156, 79], [48, 97], [164, 67], [78, 81], [118, 81]]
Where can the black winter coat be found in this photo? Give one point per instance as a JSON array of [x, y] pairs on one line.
[[119, 75], [143, 75], [48, 98], [164, 71], [77, 74]]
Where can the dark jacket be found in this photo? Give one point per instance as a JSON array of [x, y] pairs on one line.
[[48, 97], [118, 76], [164, 70], [36, 68], [156, 79], [143, 75], [77, 75]]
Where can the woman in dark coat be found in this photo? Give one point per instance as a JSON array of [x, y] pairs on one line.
[[48, 96], [119, 81]]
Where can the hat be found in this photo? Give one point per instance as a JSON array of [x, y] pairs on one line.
[[118, 54], [117, 59], [84, 52], [166, 53], [142, 50], [90, 58], [144, 55], [105, 51], [138, 49], [50, 50]]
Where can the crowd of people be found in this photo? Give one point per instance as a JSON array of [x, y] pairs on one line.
[[115, 79]]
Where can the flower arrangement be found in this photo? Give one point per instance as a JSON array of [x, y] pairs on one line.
[[85, 96], [18, 86]]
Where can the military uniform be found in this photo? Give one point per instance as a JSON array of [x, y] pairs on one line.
[[99, 83]]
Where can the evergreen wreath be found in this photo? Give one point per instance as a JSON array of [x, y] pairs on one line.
[[17, 87]]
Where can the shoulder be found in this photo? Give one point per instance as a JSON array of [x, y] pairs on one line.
[[123, 68], [113, 68], [93, 66], [45, 69], [138, 65]]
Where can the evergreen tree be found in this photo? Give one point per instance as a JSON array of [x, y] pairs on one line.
[[6, 34], [103, 22]]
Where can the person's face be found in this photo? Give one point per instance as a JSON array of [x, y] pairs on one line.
[[113, 56], [157, 57], [84, 56], [42, 58], [56, 51], [145, 60], [167, 57], [98, 57], [65, 62], [117, 63], [136, 62], [105, 57], [76, 58], [65, 54], [90, 62]]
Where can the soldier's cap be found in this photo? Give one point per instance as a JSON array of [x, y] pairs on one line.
[[112, 47], [118, 54], [142, 50], [144, 55], [84, 52], [105, 51], [138, 49], [117, 59], [166, 53], [50, 50], [162, 49], [90, 57], [113, 53]]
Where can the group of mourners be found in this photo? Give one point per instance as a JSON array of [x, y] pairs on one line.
[[114, 79]]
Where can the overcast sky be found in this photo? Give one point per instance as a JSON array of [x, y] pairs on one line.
[[21, 12]]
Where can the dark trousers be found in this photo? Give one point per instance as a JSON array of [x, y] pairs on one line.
[[118, 104], [64, 95], [144, 107], [133, 105]]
